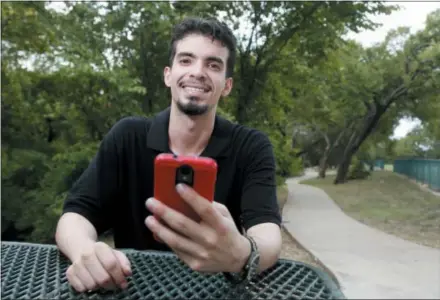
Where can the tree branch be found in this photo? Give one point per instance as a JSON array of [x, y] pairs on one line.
[[394, 94], [257, 18], [338, 139], [324, 135], [281, 41]]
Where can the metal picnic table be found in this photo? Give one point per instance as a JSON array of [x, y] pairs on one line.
[[37, 271]]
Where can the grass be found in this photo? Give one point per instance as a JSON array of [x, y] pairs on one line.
[[389, 167], [390, 203]]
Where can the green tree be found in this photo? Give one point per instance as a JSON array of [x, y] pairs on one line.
[[276, 26], [418, 143], [68, 76], [394, 74]]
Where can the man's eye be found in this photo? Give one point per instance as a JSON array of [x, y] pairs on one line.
[[185, 61], [214, 66]]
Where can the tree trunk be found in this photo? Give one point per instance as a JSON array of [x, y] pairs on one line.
[[376, 110], [355, 142], [50, 131], [324, 157], [147, 103], [343, 168], [323, 164], [241, 112], [246, 99]]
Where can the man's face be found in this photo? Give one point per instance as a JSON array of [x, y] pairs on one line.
[[198, 76]]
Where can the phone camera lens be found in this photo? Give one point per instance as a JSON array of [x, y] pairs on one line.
[[185, 170], [185, 175]]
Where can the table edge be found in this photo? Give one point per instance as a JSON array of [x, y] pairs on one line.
[[330, 283]]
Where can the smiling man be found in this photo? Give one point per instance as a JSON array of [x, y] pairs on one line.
[[239, 233]]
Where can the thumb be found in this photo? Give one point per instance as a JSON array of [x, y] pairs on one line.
[[185, 191], [124, 262]]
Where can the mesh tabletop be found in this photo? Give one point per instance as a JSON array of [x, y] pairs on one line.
[[34, 271]]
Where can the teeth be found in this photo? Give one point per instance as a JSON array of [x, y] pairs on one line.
[[193, 89]]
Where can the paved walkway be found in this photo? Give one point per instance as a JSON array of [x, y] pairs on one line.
[[368, 263]]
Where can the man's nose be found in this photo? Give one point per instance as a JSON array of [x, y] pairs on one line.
[[198, 70]]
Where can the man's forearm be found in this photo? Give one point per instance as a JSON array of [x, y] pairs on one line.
[[74, 233], [268, 239]]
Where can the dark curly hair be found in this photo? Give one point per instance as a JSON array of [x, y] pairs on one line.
[[208, 27]]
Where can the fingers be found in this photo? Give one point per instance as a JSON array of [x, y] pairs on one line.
[[204, 208], [198, 264], [75, 281], [179, 230], [171, 238], [100, 266], [97, 271], [175, 220], [110, 268], [82, 271], [189, 260], [124, 262]]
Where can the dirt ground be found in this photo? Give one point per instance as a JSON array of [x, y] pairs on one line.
[[292, 250]]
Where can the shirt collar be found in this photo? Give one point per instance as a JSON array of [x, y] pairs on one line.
[[218, 145]]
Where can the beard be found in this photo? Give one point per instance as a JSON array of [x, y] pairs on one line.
[[192, 108]]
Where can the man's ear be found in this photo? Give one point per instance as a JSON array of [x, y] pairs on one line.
[[228, 87], [166, 76]]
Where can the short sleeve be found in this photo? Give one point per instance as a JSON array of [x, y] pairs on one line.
[[93, 194], [259, 191]]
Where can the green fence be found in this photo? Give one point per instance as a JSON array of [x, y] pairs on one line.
[[426, 171], [379, 163]]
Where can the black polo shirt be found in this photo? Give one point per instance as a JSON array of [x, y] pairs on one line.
[[112, 191]]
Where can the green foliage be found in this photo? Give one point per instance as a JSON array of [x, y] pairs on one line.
[[22, 171], [307, 30], [63, 170], [357, 169], [225, 114], [25, 29], [420, 142], [286, 162], [397, 75], [68, 76]]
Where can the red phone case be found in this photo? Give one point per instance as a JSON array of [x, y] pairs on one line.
[[204, 178]]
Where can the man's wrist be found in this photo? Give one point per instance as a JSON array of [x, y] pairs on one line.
[[244, 252]]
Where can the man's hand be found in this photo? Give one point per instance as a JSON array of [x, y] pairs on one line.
[[99, 266], [213, 245]]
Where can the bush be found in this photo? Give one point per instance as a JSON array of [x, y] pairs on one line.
[[287, 164], [21, 172], [357, 169], [47, 200], [225, 114]]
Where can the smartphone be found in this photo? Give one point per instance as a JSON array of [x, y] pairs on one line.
[[198, 172]]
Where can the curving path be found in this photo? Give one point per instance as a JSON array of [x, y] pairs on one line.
[[368, 263]]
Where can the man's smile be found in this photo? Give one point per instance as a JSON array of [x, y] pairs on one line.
[[195, 89]]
